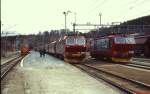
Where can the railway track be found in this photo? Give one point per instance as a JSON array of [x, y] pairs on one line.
[[124, 84], [137, 63], [140, 63], [8, 66], [139, 66], [141, 60]]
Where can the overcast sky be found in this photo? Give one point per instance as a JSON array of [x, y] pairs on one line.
[[32, 16]]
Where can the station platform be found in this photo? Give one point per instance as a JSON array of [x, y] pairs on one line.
[[49, 75]]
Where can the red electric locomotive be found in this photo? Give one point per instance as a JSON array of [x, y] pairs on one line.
[[24, 48], [70, 47], [75, 47], [117, 48]]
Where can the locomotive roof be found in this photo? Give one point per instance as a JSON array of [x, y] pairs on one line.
[[141, 36]]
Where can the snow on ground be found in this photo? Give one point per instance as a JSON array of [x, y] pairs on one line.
[[48, 75], [9, 56]]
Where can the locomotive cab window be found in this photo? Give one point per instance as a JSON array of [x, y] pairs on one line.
[[70, 41], [103, 44], [125, 40], [130, 40], [80, 41]]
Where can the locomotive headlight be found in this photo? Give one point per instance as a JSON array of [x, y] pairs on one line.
[[82, 52], [67, 53], [131, 52]]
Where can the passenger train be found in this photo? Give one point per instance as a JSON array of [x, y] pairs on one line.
[[117, 48], [70, 47]]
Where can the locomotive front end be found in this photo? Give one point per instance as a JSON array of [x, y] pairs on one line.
[[123, 49], [24, 49], [75, 47]]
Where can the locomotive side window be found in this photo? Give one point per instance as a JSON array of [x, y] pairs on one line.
[[70, 41]]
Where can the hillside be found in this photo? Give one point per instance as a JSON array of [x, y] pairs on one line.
[[139, 21], [138, 25]]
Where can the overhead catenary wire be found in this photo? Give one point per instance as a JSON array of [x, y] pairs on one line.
[[98, 6], [128, 10], [136, 4]]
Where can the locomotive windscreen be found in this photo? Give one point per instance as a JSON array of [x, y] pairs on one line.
[[70, 41], [125, 40], [75, 41], [80, 41]]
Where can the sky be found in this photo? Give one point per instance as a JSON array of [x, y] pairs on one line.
[[32, 16]]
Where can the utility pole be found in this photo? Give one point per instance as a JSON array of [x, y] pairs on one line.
[[75, 20], [74, 27], [100, 14], [75, 17], [66, 13]]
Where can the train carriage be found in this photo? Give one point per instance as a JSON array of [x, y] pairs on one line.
[[117, 48], [52, 48], [59, 48]]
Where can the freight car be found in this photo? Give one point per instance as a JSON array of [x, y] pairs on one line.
[[117, 48]]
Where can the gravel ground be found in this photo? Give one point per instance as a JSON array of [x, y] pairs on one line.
[[49, 75], [126, 71]]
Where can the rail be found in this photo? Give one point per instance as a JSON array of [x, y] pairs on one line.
[[105, 75], [138, 66], [140, 63], [8, 66], [141, 60]]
